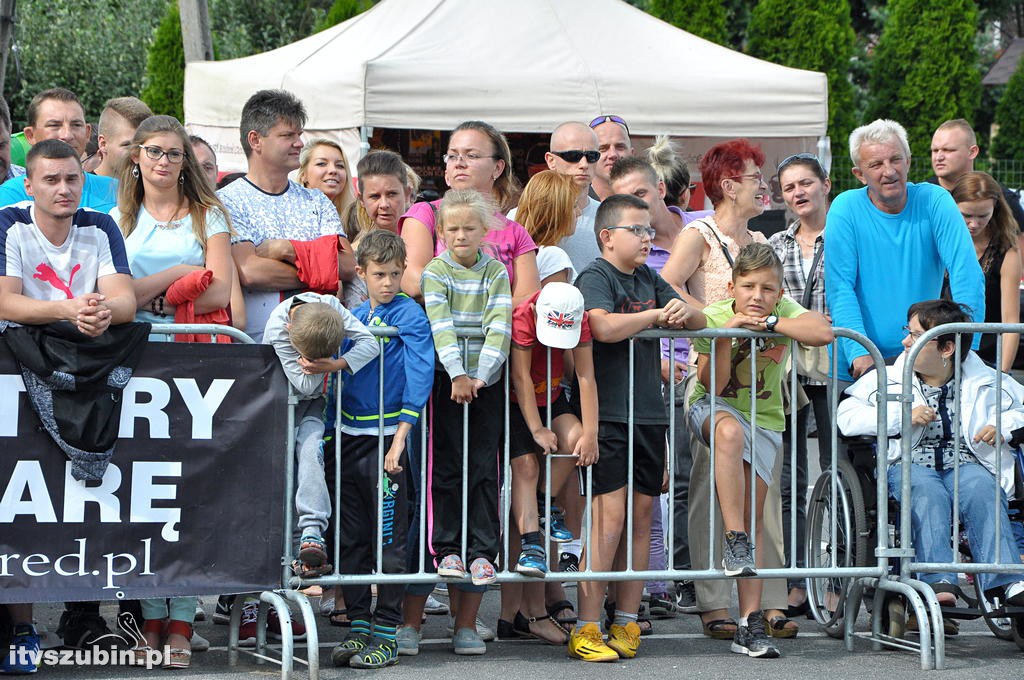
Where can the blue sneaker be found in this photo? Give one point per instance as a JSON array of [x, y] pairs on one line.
[[559, 532], [532, 561], [24, 652]]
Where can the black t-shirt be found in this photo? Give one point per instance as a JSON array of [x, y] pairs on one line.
[[605, 287]]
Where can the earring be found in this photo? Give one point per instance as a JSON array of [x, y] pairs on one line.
[[945, 362], [135, 172], [181, 178]]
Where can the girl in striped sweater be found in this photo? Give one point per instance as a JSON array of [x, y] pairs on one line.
[[466, 291]]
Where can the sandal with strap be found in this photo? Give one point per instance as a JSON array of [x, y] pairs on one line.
[[312, 551], [563, 638], [560, 607], [720, 629], [777, 626], [339, 618], [179, 657], [303, 570], [143, 649]]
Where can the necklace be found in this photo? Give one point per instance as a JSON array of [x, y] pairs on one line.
[[170, 223]]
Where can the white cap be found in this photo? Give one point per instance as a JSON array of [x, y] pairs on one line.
[[559, 315]]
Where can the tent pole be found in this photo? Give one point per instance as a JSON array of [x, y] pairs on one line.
[[825, 153], [364, 139]]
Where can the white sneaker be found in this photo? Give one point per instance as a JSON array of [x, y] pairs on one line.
[[1015, 594], [435, 606], [199, 643]]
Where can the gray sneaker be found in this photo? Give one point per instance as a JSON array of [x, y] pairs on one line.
[[738, 560], [485, 632], [467, 643], [408, 639], [753, 641], [686, 597]]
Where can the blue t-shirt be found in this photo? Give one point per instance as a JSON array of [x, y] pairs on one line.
[[152, 249], [98, 193], [879, 264]]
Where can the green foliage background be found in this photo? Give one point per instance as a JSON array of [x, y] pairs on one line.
[[1009, 141], [816, 35], [165, 67], [925, 68], [706, 19]]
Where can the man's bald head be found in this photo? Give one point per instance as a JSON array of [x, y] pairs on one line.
[[571, 144]]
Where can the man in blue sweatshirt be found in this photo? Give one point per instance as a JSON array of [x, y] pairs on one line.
[[888, 246], [408, 378]]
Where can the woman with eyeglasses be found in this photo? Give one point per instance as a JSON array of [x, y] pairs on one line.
[[801, 247], [700, 269], [173, 225], [478, 158], [994, 233]]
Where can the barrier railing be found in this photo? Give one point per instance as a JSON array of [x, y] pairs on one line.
[[860, 573], [1005, 403]]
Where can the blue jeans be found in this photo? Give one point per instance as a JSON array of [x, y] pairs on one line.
[[931, 512]]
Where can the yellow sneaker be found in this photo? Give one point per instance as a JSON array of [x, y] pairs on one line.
[[625, 640], [587, 643]]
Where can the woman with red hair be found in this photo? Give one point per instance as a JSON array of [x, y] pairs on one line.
[[700, 269]]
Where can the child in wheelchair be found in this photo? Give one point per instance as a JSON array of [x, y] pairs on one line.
[[935, 453]]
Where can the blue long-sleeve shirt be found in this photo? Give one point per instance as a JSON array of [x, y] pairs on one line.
[[878, 264], [408, 370]]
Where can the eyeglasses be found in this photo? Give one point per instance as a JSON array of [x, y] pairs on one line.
[[574, 155], [600, 120], [469, 157], [810, 157], [155, 153], [915, 335], [756, 176], [639, 230]]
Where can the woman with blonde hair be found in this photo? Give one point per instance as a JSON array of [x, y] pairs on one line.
[[323, 166], [548, 212], [994, 233]]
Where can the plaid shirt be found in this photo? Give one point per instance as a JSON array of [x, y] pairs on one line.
[[793, 280]]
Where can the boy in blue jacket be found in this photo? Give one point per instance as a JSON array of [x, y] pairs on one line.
[[408, 378]]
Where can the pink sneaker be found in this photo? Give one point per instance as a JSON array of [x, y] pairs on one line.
[[482, 572], [452, 566]]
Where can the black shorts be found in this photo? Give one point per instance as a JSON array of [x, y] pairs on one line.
[[611, 471], [520, 439]]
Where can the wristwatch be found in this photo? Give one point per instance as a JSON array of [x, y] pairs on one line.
[[769, 323]]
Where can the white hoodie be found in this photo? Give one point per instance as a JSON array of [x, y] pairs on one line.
[[858, 415]]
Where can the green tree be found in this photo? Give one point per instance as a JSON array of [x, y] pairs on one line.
[[165, 67], [1008, 142], [705, 19], [810, 34], [243, 27], [925, 68], [343, 10], [95, 48]]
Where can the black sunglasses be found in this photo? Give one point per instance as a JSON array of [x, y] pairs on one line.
[[574, 155], [810, 157], [600, 120]]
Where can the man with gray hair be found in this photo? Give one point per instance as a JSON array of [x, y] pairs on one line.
[[889, 245]]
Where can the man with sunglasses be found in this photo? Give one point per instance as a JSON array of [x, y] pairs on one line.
[[574, 153], [57, 114], [613, 142]]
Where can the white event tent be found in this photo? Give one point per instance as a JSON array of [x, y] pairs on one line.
[[522, 65]]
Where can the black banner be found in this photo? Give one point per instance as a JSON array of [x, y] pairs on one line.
[[191, 503]]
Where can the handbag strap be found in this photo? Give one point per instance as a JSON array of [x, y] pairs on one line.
[[806, 299], [714, 232]]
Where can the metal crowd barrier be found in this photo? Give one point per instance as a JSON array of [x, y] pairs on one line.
[[1014, 617], [871, 574]]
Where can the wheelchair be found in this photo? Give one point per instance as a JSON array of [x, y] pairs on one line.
[[854, 515]]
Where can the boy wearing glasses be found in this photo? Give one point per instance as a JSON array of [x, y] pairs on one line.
[[624, 296]]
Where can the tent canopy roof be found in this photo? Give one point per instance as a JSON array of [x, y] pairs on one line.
[[524, 66]]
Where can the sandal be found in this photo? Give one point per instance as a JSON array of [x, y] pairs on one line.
[[303, 570], [312, 551], [143, 649], [178, 657], [559, 608], [339, 618], [563, 635], [779, 626], [720, 629]]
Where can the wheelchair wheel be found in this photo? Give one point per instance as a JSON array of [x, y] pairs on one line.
[[1002, 628], [847, 547], [1017, 631]]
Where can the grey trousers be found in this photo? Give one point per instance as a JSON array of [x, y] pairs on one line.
[[716, 594], [312, 501]]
